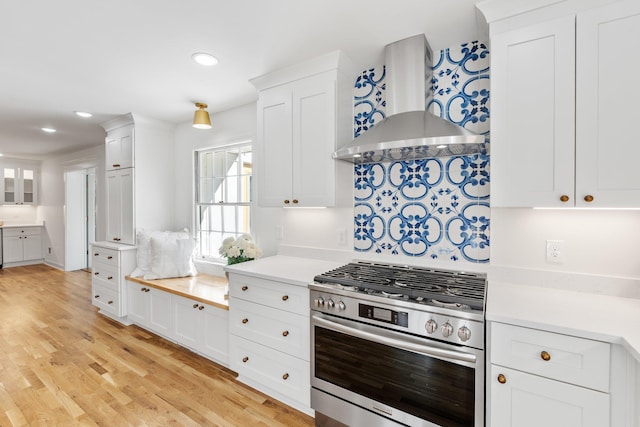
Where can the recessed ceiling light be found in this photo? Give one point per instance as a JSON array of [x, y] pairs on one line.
[[48, 130], [83, 114], [205, 59]]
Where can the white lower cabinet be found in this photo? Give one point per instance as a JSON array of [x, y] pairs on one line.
[[22, 246], [543, 378], [150, 308], [202, 328], [270, 338], [110, 263], [195, 325]]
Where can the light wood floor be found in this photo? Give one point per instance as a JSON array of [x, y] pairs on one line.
[[63, 364]]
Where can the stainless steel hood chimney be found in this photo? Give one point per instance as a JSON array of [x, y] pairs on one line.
[[408, 131]]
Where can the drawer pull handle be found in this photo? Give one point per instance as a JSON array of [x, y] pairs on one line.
[[588, 198], [245, 359], [110, 277], [285, 377], [285, 297], [96, 273], [245, 320], [285, 333], [201, 307], [117, 165], [110, 302], [96, 254], [502, 379], [109, 257], [564, 198], [97, 296], [245, 288], [195, 305], [545, 356]]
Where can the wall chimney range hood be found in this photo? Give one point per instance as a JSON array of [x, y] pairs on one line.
[[409, 132]]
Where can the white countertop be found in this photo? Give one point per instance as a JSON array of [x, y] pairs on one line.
[[19, 225], [287, 269], [600, 317]]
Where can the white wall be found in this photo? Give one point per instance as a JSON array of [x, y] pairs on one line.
[[597, 242], [18, 214], [51, 198]]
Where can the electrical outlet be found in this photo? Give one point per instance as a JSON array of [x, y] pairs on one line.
[[555, 251], [342, 236]]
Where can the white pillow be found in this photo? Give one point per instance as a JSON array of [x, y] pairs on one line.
[[171, 255], [143, 256]]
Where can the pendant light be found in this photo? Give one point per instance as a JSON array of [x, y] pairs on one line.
[[201, 118]]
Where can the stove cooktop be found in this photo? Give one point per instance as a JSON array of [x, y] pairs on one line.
[[445, 288]]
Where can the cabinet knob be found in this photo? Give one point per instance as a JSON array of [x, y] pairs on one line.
[[201, 307], [96, 273], [110, 302], [295, 201], [564, 198], [195, 305], [285, 297], [286, 202], [109, 257], [285, 377], [245, 320], [245, 288], [110, 277], [147, 289], [502, 379], [545, 356], [97, 296], [588, 198], [245, 359], [96, 254], [285, 333]]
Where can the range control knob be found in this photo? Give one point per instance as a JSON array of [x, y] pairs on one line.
[[447, 330], [464, 333], [330, 303], [341, 306], [319, 301], [431, 326]]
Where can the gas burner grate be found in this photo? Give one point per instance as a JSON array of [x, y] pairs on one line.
[[443, 286]]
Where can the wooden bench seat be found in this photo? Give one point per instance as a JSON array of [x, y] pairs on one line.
[[205, 288]]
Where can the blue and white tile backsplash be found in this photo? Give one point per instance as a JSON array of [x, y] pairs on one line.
[[438, 208]]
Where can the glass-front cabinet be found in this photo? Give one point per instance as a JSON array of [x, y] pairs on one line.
[[19, 184]]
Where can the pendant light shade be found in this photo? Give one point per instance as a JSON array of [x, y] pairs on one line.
[[201, 118]]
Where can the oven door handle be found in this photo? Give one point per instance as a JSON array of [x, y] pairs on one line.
[[394, 342]]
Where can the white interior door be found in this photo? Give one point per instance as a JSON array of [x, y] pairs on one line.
[[75, 220]]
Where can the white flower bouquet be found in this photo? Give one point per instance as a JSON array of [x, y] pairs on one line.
[[239, 250]]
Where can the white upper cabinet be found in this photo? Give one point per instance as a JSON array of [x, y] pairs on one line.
[[562, 113], [119, 148], [19, 183], [304, 114], [607, 110]]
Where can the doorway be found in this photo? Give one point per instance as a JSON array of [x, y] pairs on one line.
[[80, 218]]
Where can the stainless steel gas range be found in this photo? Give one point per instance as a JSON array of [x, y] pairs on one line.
[[397, 345]]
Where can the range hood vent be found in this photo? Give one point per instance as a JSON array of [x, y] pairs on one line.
[[409, 132]]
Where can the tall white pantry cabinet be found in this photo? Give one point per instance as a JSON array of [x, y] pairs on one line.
[[564, 103]]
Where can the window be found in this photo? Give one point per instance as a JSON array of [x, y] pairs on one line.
[[223, 196]]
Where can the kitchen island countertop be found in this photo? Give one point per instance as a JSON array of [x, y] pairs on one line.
[[594, 316]]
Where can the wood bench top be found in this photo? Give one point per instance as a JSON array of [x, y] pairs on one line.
[[204, 288]]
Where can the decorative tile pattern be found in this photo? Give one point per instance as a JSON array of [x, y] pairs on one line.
[[436, 207]]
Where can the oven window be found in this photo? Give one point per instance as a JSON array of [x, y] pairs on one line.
[[428, 388]]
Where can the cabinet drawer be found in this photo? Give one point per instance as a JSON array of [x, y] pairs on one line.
[[105, 274], [561, 357], [291, 298], [277, 329], [105, 256], [106, 299], [24, 231], [278, 371]]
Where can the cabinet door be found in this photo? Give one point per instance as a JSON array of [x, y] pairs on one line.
[[215, 340], [12, 250], [314, 136], [532, 123], [526, 400], [28, 183], [138, 303], [186, 321], [32, 247], [274, 148], [607, 96], [160, 312], [119, 148], [120, 206]]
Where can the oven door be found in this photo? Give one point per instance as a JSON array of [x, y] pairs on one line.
[[414, 381]]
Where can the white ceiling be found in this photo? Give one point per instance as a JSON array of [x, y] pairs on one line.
[[119, 56]]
